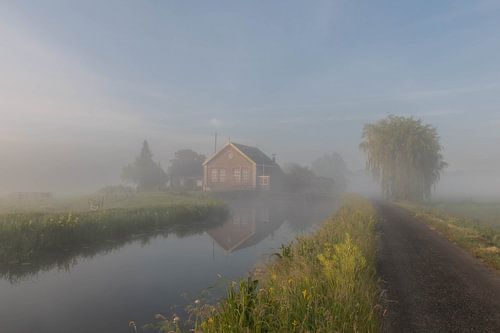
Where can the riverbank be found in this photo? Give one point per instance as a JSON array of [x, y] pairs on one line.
[[323, 282], [26, 236]]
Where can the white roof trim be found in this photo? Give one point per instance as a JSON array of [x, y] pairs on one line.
[[229, 144]]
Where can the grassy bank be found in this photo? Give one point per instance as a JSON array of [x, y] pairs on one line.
[[80, 203], [26, 236], [478, 236], [484, 212], [323, 282]]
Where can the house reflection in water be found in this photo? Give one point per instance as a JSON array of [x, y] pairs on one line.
[[247, 226]]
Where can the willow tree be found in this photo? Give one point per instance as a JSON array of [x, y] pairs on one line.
[[404, 155]]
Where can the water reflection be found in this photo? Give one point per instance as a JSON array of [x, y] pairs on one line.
[[251, 221], [247, 225], [65, 260], [102, 288]]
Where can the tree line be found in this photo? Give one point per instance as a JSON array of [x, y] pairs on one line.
[[402, 153], [327, 174], [148, 175]]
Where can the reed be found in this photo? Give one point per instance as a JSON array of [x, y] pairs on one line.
[[24, 236]]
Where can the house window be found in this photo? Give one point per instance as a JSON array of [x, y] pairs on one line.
[[213, 175], [245, 176], [237, 175], [222, 175], [264, 180]]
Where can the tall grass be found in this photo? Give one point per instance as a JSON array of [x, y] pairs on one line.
[[24, 236], [324, 282]]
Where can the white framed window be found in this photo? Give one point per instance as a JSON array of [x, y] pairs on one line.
[[245, 176], [264, 180], [213, 175], [222, 175], [237, 175]]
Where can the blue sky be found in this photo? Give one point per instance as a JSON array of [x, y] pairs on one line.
[[84, 82]]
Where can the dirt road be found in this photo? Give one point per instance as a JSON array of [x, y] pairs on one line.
[[432, 285]]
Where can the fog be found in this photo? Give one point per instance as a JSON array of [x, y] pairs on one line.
[[82, 85]]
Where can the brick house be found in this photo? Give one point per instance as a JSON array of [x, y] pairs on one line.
[[238, 167], [246, 227]]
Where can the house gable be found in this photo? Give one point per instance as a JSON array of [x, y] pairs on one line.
[[229, 147], [229, 169]]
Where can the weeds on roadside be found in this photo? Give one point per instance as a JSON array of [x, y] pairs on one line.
[[324, 282]]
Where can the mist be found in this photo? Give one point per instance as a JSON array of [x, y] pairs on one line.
[[83, 85]]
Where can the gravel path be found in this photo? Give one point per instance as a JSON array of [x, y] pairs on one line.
[[431, 284]]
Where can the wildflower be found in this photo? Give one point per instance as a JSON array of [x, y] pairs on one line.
[[176, 319], [197, 302]]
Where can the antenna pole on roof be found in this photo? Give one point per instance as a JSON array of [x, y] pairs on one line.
[[215, 143]]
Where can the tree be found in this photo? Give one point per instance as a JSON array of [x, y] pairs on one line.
[[404, 155], [145, 173], [186, 164], [332, 166], [298, 179]]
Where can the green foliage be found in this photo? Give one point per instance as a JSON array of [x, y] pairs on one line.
[[145, 173], [302, 180], [332, 166], [298, 179], [25, 236], [187, 163], [404, 155], [325, 282]]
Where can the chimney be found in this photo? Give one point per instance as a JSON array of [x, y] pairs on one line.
[[274, 158]]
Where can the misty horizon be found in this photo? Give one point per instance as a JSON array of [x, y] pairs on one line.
[[84, 84]]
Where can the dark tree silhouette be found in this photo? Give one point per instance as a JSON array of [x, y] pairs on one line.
[[186, 164], [145, 173]]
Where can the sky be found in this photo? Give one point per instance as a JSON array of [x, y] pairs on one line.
[[82, 83]]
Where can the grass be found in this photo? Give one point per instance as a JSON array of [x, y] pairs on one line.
[[25, 236], [478, 235], [323, 282], [485, 212], [115, 200]]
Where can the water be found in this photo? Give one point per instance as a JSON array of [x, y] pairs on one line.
[[101, 290]]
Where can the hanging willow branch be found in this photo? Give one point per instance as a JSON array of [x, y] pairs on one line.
[[404, 155]]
